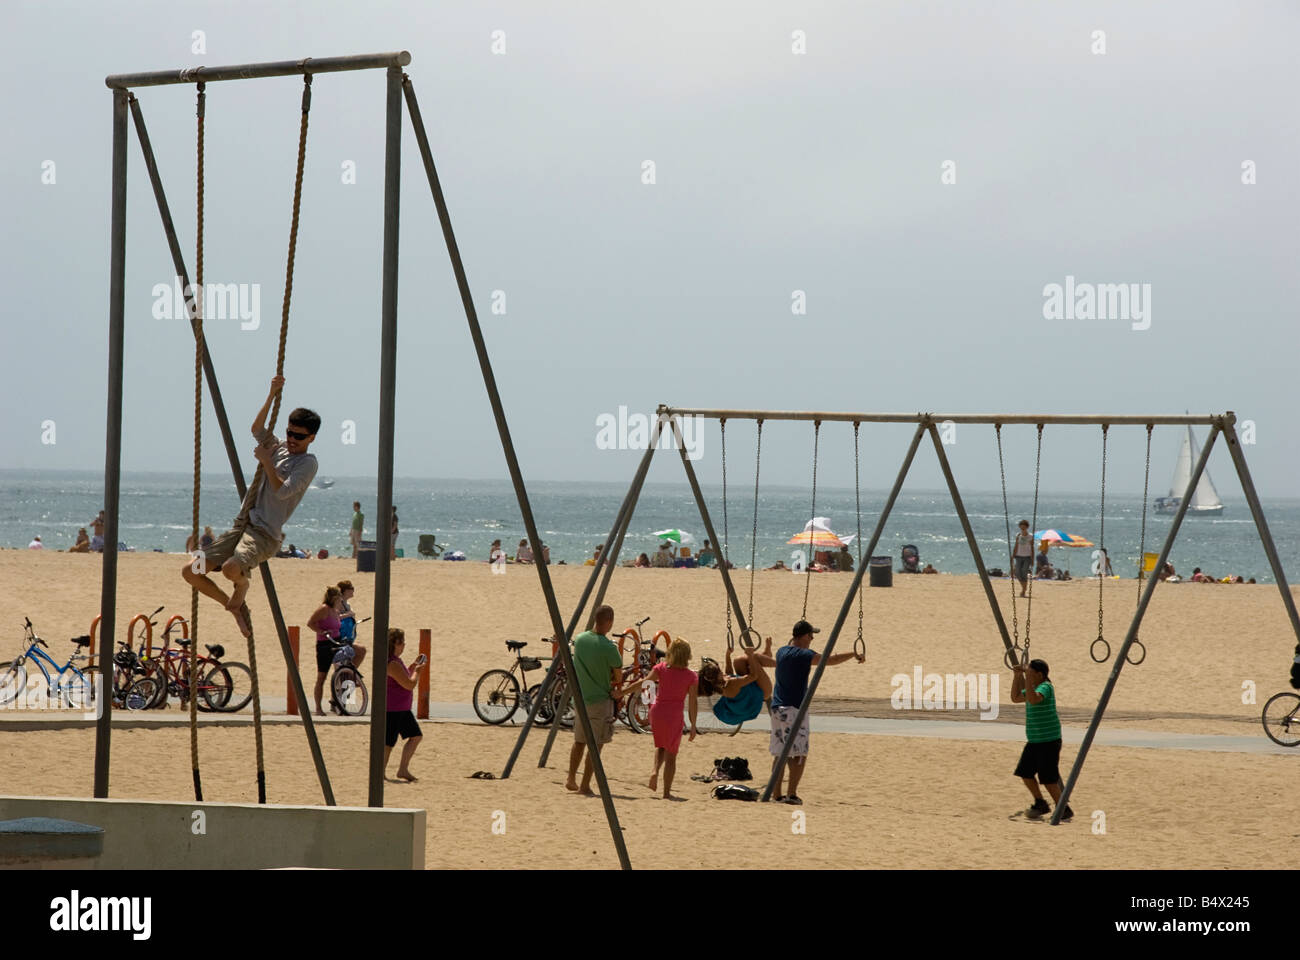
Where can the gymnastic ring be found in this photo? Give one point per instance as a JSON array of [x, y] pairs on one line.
[[860, 647], [1009, 658], [1092, 651], [750, 640], [1137, 643], [731, 640]]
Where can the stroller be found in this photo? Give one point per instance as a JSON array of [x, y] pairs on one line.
[[911, 561]]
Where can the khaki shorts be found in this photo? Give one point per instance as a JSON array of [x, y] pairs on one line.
[[601, 714], [247, 544]]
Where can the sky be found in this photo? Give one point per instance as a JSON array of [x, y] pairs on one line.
[[853, 207]]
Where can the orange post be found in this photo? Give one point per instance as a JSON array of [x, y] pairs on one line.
[[422, 693], [167, 629], [292, 708], [148, 632], [94, 650]]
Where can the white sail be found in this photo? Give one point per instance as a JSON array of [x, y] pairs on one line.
[[1205, 497]]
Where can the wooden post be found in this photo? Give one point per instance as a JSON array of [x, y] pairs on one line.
[[290, 698], [422, 696]]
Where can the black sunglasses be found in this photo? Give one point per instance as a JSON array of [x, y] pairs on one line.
[[295, 435]]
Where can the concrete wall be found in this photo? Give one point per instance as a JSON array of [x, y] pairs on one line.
[[141, 834]]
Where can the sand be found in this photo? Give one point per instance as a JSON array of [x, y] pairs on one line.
[[869, 800]]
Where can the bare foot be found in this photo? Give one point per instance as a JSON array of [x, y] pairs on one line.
[[241, 621], [674, 798], [654, 781], [571, 785], [407, 776], [320, 712], [586, 793], [237, 595]]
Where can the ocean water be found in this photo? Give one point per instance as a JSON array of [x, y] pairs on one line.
[[573, 517]]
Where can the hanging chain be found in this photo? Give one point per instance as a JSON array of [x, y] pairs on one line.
[[726, 535], [1006, 513], [1101, 578], [753, 538], [1033, 532], [807, 582], [200, 112], [1142, 543], [859, 645]]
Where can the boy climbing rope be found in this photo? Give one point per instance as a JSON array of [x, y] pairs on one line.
[[287, 470]]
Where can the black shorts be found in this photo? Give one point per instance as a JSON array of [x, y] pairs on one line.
[[1041, 759], [400, 723], [324, 656]]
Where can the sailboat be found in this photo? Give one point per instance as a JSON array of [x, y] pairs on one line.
[[1205, 500]]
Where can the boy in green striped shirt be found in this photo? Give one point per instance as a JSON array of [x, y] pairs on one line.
[[1042, 753]]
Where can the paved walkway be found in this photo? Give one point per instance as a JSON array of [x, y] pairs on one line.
[[273, 713]]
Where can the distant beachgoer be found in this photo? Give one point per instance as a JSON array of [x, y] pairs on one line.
[[97, 531], [599, 669], [1167, 573], [358, 527], [523, 552], [36, 544], [546, 555], [642, 561], [594, 559], [83, 543], [663, 556], [208, 538], [400, 720], [1198, 577], [495, 552], [347, 619], [326, 623], [792, 664], [1042, 753], [1104, 569], [844, 560], [779, 565], [929, 568], [677, 691], [706, 556], [394, 547], [191, 543], [288, 470], [1022, 555]]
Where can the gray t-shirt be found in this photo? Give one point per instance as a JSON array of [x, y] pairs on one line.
[[274, 507]]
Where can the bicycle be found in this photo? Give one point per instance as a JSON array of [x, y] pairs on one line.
[[635, 711], [72, 686], [224, 686], [348, 693], [499, 693], [1282, 712]]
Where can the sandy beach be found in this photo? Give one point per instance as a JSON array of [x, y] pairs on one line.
[[869, 800]]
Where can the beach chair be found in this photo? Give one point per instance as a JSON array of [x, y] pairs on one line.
[[429, 546], [911, 560]]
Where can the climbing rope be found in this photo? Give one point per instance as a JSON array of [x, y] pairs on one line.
[[198, 437], [275, 413], [859, 645], [807, 580]]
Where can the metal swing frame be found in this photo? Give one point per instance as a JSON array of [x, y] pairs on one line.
[[397, 90], [669, 417]]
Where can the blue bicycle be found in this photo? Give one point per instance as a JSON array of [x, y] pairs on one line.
[[74, 688]]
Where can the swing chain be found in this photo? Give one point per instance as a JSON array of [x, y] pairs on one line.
[[807, 582], [726, 535], [1033, 530], [859, 645], [1142, 542], [1101, 573], [753, 537], [1006, 514]]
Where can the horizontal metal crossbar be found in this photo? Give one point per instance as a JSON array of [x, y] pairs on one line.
[[1225, 419], [255, 71]]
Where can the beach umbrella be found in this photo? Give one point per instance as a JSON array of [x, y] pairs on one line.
[[817, 532], [675, 535]]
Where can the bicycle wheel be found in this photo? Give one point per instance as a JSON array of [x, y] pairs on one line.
[[13, 681], [241, 685], [638, 710], [558, 696], [350, 694], [144, 693], [77, 690], [215, 687], [496, 696], [1282, 719], [544, 714]]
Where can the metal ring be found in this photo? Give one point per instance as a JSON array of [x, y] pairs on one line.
[[750, 639], [731, 640], [1009, 658], [1137, 643], [1092, 651], [860, 647]]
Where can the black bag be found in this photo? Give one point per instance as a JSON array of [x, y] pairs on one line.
[[996, 572], [734, 791], [732, 768]]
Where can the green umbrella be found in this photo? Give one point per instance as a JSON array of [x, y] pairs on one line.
[[675, 535]]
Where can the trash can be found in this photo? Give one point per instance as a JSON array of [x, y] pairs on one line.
[[881, 570], [366, 557]]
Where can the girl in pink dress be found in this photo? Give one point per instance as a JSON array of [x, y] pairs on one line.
[[677, 687]]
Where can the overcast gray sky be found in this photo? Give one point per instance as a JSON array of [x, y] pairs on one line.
[[775, 172]]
